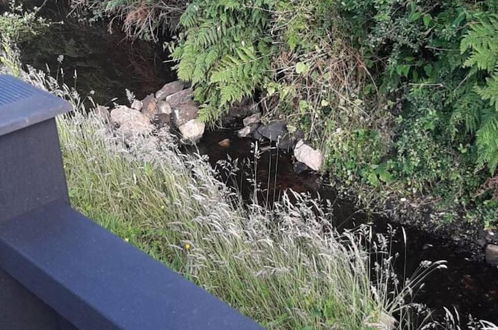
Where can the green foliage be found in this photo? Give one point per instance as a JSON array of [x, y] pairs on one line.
[[224, 51], [481, 42], [16, 24]]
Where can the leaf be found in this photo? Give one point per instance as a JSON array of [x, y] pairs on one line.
[[302, 67]]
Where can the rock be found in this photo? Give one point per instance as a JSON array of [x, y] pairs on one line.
[[492, 254], [193, 130], [242, 110], [253, 119], [273, 131], [300, 167], [162, 120], [149, 107], [309, 156], [131, 122], [224, 143], [184, 113], [137, 105], [163, 107], [246, 131], [289, 141], [387, 322], [169, 89], [184, 96]]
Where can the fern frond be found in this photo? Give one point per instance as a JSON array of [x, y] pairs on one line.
[[487, 142]]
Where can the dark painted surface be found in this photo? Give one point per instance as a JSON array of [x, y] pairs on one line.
[[22, 105], [98, 281], [22, 310]]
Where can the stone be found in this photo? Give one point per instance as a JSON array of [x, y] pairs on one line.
[[224, 143], [169, 89], [149, 107], [253, 119], [387, 322], [184, 113], [309, 156], [131, 122], [184, 96], [273, 131], [163, 107], [247, 131], [243, 109], [300, 168], [162, 120], [193, 130], [492, 254], [289, 141], [137, 105]]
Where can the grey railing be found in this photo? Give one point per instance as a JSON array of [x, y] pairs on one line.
[[60, 270]]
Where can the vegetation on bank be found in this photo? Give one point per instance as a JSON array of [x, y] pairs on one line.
[[402, 96]]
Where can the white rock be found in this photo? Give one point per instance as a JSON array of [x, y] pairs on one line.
[[178, 98], [193, 130], [163, 107], [184, 113], [137, 105], [169, 88], [131, 122], [309, 156], [254, 119], [492, 254], [246, 131]]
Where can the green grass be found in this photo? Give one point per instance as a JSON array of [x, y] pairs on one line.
[[276, 267]]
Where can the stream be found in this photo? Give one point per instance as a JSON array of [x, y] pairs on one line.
[[109, 63]]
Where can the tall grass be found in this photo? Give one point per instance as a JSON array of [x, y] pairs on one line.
[[277, 267]]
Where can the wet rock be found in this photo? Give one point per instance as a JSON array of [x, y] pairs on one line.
[[137, 105], [193, 130], [184, 96], [309, 156], [247, 131], [242, 110], [149, 106], [162, 120], [131, 122], [253, 119], [224, 143], [289, 141], [169, 89], [273, 131], [163, 107], [492, 254], [184, 113], [300, 168]]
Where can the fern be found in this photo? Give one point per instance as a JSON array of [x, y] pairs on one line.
[[481, 44], [224, 52]]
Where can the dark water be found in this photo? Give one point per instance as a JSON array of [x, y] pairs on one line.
[[105, 63], [108, 64]]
